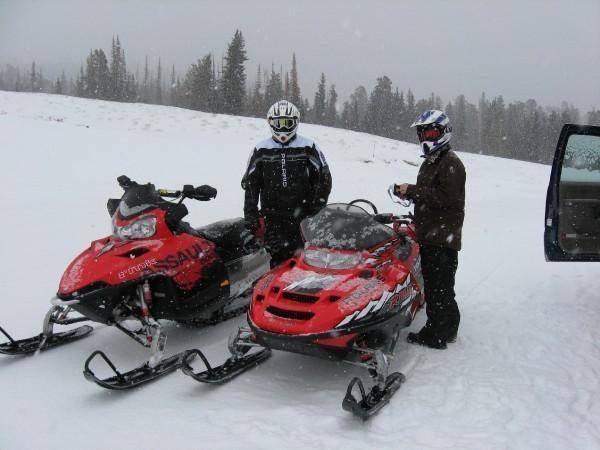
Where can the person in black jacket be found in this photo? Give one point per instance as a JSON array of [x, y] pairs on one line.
[[290, 177]]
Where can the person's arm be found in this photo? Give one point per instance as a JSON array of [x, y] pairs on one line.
[[322, 181], [452, 181], [252, 184]]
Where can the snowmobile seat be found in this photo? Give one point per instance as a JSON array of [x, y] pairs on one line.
[[225, 233]]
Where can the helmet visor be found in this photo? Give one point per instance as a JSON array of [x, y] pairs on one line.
[[429, 133], [283, 123]]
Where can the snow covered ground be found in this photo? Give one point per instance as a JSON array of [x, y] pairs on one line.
[[524, 373]]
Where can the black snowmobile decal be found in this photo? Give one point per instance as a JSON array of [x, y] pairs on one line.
[[176, 260]]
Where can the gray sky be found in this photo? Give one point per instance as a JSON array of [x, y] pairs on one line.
[[543, 49]]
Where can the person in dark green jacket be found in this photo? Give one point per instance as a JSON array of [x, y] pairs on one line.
[[439, 199]]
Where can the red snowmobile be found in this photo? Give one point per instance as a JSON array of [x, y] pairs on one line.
[[345, 296], [154, 266]]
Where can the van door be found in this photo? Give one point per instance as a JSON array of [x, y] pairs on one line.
[[572, 227]]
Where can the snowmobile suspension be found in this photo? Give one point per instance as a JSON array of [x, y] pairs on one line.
[[153, 337], [380, 394]]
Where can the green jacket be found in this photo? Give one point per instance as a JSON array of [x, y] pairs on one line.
[[439, 198]]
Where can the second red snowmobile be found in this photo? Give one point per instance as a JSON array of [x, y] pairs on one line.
[[154, 266], [345, 296]]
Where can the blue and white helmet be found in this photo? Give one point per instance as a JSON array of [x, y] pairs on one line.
[[433, 129]]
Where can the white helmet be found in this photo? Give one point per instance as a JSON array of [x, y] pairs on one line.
[[283, 118], [433, 129]]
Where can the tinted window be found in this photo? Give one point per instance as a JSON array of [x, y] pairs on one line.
[[139, 199], [344, 227], [582, 159]]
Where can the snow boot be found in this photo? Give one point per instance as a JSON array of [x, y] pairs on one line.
[[426, 340]]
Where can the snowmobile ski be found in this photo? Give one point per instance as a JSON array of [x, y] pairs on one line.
[[377, 398], [41, 341], [231, 368], [135, 377]]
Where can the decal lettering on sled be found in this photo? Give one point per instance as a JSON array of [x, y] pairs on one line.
[[175, 260], [137, 268], [392, 297]]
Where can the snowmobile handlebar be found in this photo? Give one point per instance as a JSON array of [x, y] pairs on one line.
[[202, 193], [387, 218]]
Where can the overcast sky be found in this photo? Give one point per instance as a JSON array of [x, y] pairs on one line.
[[543, 49]]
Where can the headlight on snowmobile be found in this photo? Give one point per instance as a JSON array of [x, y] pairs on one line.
[[330, 260], [140, 229]]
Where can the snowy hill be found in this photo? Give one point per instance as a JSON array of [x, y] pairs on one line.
[[524, 373]]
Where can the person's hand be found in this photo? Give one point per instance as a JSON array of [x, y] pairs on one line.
[[399, 190], [402, 189]]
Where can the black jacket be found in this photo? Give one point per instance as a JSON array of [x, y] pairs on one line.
[[291, 179], [439, 197]]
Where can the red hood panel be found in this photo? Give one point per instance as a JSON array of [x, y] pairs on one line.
[[113, 262], [320, 299], [298, 299]]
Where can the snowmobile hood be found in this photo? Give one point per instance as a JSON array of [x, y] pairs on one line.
[[110, 261], [299, 299]]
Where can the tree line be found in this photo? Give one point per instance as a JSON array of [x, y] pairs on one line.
[[522, 130]]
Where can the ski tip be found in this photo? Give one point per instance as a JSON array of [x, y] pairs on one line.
[[372, 402]]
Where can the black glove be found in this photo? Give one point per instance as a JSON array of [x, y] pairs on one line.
[[205, 192]]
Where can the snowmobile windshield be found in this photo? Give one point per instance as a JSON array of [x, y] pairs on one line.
[[344, 227], [139, 199]]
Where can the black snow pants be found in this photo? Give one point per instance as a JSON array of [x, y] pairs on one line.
[[282, 237], [439, 266]]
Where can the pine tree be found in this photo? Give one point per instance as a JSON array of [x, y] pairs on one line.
[[58, 88], [359, 102], [593, 117], [131, 88], [459, 121], [232, 84], [294, 94], [405, 120], [286, 87], [257, 106], [496, 127], [81, 84], [320, 99], [18, 83], [64, 84], [330, 117], [378, 119], [483, 121], [199, 86], [346, 115], [274, 88], [158, 87], [118, 72], [411, 110], [173, 87], [145, 94], [33, 78], [97, 76], [306, 109]]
